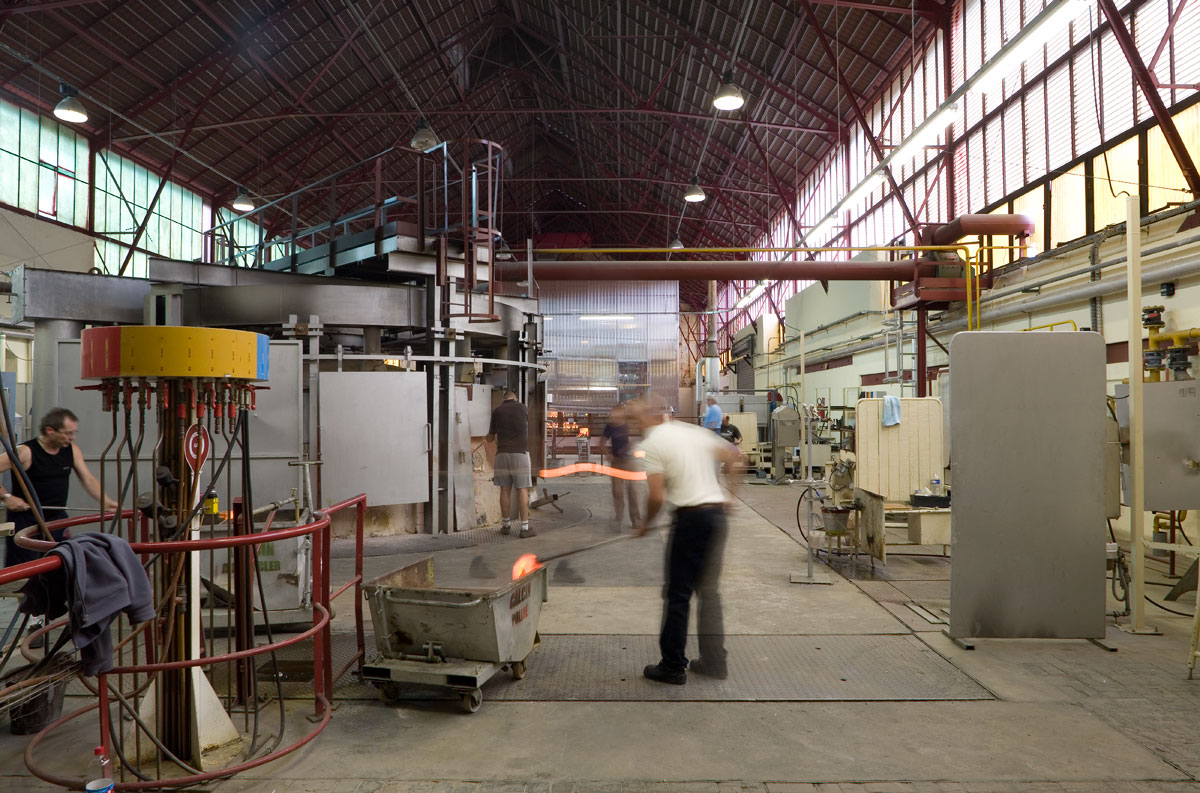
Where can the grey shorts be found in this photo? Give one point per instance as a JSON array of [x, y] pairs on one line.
[[512, 469]]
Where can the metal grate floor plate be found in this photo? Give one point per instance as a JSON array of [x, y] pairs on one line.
[[761, 668]]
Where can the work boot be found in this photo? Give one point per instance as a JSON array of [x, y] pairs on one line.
[[709, 669], [660, 674], [526, 533]]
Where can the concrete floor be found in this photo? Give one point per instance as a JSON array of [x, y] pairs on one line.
[[1050, 715]]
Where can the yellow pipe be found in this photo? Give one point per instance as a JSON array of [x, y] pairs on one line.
[[1174, 338], [1053, 325], [967, 271]]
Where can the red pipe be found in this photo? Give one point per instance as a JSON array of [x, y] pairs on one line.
[[971, 225], [708, 271]]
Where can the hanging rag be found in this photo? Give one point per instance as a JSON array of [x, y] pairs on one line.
[[100, 577], [891, 411]]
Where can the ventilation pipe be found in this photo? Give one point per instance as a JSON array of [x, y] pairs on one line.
[[730, 270], [1019, 226]]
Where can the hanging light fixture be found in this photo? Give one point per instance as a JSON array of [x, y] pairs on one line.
[[423, 139], [242, 202], [694, 193], [729, 96], [69, 108], [676, 243]]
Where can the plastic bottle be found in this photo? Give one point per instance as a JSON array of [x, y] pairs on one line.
[[101, 769]]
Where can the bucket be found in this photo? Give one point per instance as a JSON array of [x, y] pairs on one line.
[[38, 711], [835, 519]]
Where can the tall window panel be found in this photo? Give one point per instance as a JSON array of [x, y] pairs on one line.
[[43, 166], [1068, 220], [1167, 185], [1116, 176], [124, 192]]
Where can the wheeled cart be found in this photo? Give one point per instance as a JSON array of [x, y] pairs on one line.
[[452, 638]]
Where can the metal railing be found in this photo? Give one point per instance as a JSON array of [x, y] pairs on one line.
[[324, 676]]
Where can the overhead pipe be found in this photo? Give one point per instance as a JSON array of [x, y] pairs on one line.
[[729, 270], [1020, 226]]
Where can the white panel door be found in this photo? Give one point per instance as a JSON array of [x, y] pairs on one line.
[[375, 437]]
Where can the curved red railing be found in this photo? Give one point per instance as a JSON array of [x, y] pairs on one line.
[[323, 674]]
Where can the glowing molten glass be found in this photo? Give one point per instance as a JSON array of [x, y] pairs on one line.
[[576, 468], [524, 566]]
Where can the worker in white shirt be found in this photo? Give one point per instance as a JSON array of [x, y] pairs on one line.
[[681, 463]]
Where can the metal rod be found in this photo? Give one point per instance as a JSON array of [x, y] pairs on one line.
[[586, 548]]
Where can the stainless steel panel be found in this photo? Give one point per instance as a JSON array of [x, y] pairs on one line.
[[274, 434], [52, 294], [1172, 427], [464, 474], [479, 409], [335, 304], [375, 437], [1027, 447]]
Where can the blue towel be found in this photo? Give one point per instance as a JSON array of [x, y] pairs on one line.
[[891, 411]]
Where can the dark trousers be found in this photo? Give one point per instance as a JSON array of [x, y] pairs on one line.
[[694, 553]]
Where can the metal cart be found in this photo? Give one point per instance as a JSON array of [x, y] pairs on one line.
[[452, 638]]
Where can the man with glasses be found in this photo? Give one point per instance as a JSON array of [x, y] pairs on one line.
[[48, 460]]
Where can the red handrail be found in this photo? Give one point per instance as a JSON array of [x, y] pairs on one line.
[[323, 676]]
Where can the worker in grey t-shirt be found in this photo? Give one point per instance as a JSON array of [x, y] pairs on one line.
[[509, 429]]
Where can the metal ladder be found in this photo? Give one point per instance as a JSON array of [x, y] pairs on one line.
[[896, 330]]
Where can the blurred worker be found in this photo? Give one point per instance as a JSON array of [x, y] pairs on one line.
[[615, 439], [509, 429], [729, 431], [49, 460], [681, 462], [712, 415]]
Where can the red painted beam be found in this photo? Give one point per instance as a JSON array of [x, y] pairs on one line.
[[1146, 82]]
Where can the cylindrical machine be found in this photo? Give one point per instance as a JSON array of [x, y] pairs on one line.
[[197, 384]]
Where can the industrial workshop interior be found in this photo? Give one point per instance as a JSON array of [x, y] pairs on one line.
[[574, 396]]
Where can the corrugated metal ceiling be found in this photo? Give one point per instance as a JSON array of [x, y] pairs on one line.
[[601, 105]]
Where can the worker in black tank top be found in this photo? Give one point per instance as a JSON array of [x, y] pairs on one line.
[[48, 460]]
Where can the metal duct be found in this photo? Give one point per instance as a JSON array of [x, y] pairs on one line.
[[658, 270], [972, 225]]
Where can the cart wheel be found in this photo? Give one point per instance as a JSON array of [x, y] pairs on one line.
[[389, 693], [518, 669], [471, 700]]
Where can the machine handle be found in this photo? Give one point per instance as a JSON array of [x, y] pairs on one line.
[[440, 604], [428, 437]]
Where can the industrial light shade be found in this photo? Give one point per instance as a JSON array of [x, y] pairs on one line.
[[729, 97], [676, 243], [694, 193], [423, 139], [243, 203], [69, 108]]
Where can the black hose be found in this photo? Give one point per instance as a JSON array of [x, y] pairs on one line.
[[248, 497], [16, 641], [800, 501], [20, 471], [1164, 608]]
